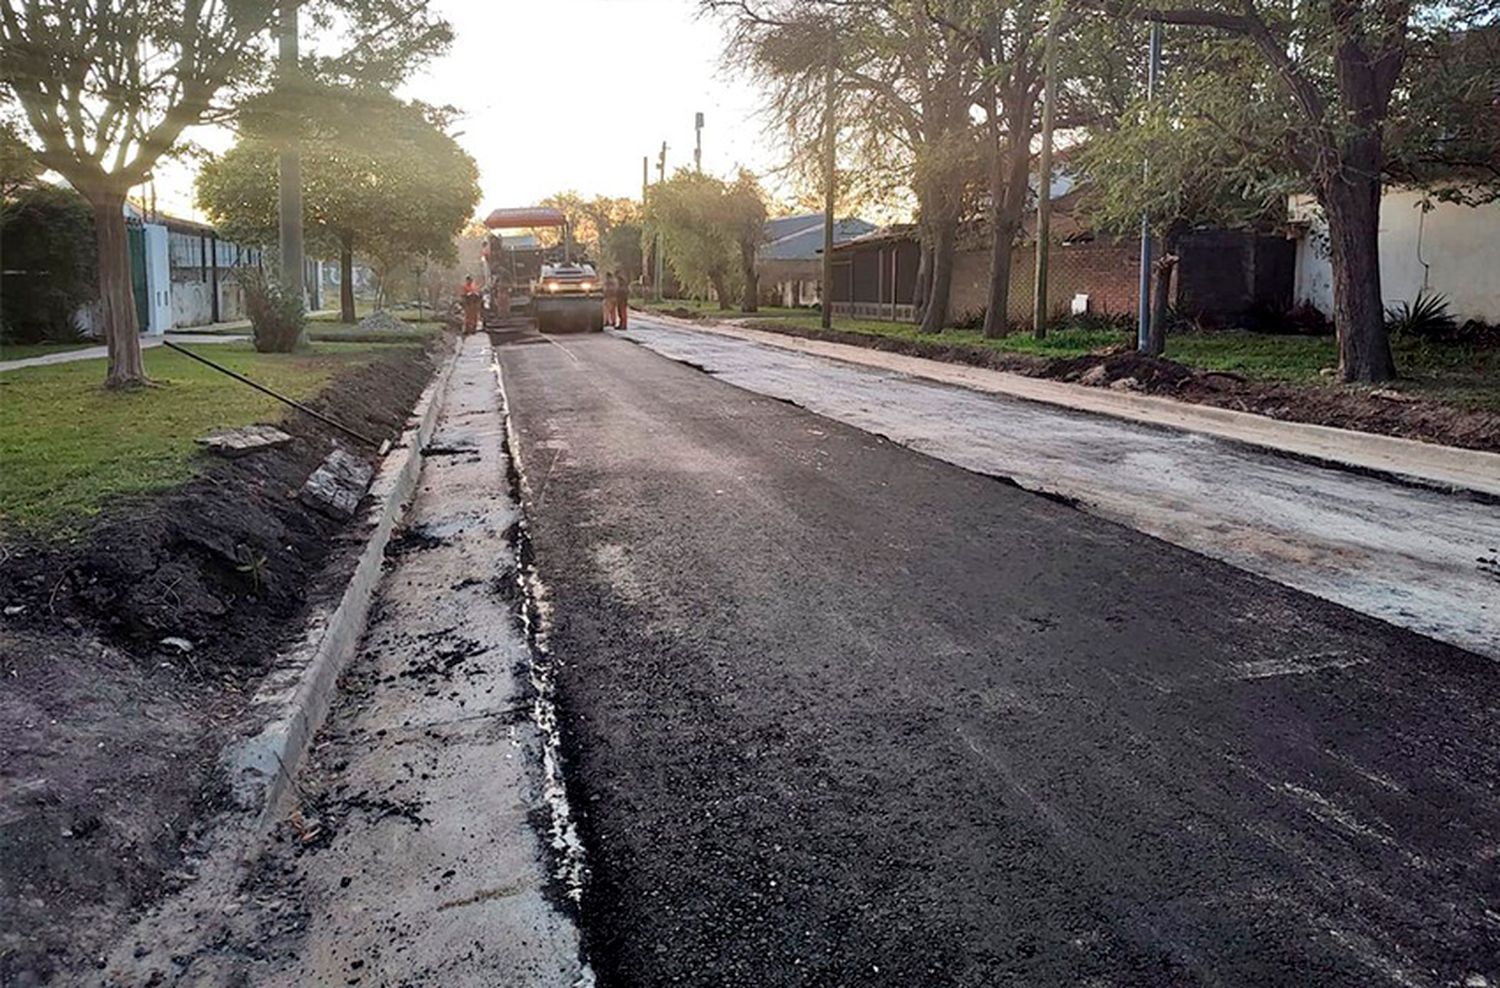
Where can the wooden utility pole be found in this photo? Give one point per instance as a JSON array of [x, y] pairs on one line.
[[290, 165], [1044, 181], [830, 136], [645, 189], [661, 176]]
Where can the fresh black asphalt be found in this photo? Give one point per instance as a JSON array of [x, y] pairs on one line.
[[839, 714]]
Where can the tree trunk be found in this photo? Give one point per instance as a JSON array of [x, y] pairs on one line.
[[721, 289], [1351, 203], [346, 278], [751, 300], [1006, 222], [1156, 331], [943, 249], [117, 294], [923, 288]]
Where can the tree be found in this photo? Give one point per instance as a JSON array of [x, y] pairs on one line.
[[906, 80], [18, 166], [381, 178], [704, 223], [1197, 177], [591, 220], [46, 238], [745, 214], [622, 253], [1329, 85], [107, 88]]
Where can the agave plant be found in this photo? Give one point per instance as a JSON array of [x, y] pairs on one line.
[[1425, 318]]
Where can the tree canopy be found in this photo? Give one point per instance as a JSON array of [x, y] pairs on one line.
[[107, 88], [709, 228], [381, 178]]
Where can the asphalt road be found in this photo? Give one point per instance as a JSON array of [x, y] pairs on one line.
[[840, 714]]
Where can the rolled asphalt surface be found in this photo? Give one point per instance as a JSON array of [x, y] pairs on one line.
[[837, 712]]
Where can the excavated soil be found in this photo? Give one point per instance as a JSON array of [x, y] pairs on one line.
[[1375, 410], [129, 659]]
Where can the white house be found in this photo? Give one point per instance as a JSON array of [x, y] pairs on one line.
[[1444, 249]]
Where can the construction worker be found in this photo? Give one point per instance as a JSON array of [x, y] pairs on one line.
[[472, 302], [609, 299], [622, 301]]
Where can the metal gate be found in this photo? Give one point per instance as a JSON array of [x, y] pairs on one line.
[[135, 240]]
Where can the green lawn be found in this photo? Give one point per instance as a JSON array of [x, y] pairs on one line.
[[20, 351], [348, 332], [69, 447], [363, 308], [1455, 373], [712, 310]]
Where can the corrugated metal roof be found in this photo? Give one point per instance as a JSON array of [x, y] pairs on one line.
[[801, 237]]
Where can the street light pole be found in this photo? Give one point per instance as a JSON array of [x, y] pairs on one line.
[[1143, 320], [698, 146], [1044, 181], [830, 135], [290, 164]]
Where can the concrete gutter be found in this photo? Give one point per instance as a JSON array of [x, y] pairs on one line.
[[1447, 468], [298, 691]]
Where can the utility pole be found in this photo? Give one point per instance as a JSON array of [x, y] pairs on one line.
[[290, 170], [645, 186], [661, 176], [830, 135], [1044, 181], [1143, 321], [698, 148]]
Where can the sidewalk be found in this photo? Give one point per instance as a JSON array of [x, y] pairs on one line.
[[218, 332], [1445, 467], [98, 352]]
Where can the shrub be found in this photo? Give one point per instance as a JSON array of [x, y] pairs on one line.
[[1425, 318], [1301, 319], [47, 240], [276, 315]]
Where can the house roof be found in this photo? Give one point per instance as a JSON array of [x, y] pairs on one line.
[[800, 238]]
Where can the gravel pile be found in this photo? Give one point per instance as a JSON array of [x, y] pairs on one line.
[[382, 322]]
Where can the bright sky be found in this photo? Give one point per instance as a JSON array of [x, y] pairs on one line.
[[570, 94]]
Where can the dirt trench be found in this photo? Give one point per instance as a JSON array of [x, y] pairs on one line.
[[112, 725]]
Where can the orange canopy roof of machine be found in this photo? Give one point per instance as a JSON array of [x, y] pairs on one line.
[[529, 216]]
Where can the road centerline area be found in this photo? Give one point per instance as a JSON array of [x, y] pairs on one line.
[[839, 713]]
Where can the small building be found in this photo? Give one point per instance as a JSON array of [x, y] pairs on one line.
[[1425, 246], [790, 262], [184, 275], [1223, 276]]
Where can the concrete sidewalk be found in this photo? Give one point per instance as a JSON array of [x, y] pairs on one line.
[[99, 352], [1445, 467]]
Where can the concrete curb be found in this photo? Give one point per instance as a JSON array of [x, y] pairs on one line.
[[1447, 468], [299, 691]]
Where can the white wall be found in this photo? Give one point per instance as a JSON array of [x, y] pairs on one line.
[[1451, 250], [158, 281]]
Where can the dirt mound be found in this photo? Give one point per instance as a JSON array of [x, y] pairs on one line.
[[130, 655], [1122, 366]]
